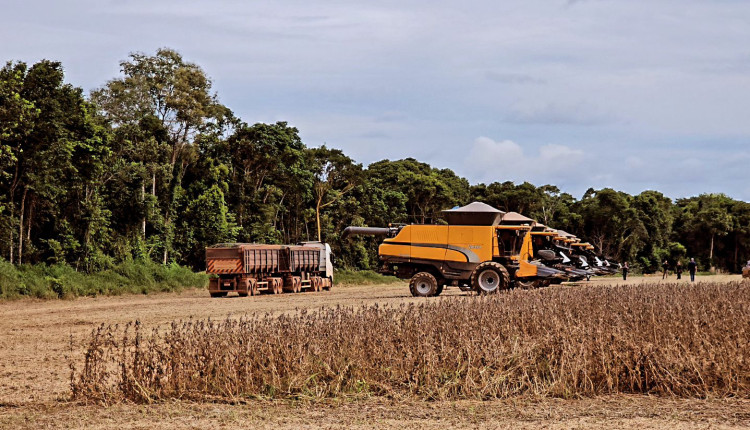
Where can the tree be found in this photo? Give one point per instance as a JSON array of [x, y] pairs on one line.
[[207, 221], [269, 176], [428, 190], [654, 210], [163, 100], [611, 223], [335, 175], [55, 147]]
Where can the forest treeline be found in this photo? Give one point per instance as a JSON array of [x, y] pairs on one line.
[[152, 167]]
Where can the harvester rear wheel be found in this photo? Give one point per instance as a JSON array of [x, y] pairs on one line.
[[489, 278], [439, 289], [219, 294], [423, 284]]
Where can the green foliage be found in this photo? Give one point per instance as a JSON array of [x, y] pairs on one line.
[[62, 281], [363, 277]]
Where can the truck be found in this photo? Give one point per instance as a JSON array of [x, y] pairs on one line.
[[250, 268], [473, 251]]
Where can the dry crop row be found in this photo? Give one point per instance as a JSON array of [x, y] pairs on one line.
[[667, 339]]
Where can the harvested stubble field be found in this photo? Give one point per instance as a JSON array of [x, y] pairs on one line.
[[559, 358]]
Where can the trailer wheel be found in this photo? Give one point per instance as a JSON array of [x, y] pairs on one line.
[[423, 284], [253, 287], [297, 284], [277, 285], [219, 294], [489, 278], [328, 283]]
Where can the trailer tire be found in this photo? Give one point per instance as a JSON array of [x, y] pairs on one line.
[[489, 278], [253, 287], [328, 283], [423, 284]]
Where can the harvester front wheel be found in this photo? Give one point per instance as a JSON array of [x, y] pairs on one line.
[[489, 278], [423, 284]]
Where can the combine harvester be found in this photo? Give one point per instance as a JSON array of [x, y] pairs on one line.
[[475, 251], [248, 269]]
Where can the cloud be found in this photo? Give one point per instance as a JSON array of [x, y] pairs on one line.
[[489, 161], [513, 78], [558, 114]]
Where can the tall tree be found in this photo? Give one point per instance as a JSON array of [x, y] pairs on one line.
[[335, 175], [177, 94]]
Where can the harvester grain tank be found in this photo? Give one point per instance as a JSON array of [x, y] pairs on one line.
[[248, 268], [473, 251]]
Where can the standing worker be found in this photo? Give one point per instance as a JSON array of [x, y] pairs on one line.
[[625, 271], [692, 266], [665, 267], [678, 269]]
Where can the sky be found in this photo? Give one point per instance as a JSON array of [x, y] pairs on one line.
[[628, 94]]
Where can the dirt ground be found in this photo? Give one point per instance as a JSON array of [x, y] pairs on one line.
[[39, 338]]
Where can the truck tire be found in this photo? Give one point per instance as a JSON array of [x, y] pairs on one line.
[[489, 278], [423, 284]]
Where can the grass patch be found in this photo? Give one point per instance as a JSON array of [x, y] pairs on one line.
[[363, 277], [63, 282]]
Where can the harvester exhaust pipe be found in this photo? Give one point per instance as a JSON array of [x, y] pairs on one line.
[[365, 231]]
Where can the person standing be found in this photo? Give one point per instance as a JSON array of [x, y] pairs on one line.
[[665, 267], [625, 269], [678, 269], [692, 266]]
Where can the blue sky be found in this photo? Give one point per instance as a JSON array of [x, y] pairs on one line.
[[627, 94]]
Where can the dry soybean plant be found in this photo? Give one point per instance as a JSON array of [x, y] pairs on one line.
[[687, 340]]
